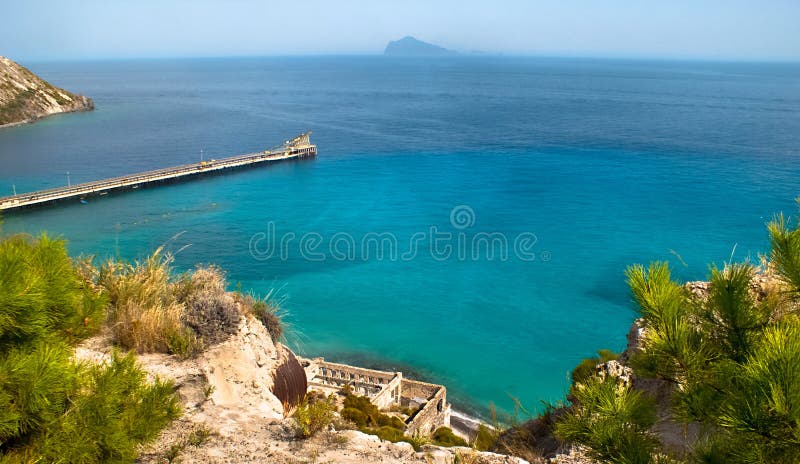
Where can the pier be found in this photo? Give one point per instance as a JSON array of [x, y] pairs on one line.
[[298, 147]]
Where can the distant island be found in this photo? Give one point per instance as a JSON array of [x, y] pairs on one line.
[[409, 46], [25, 97]]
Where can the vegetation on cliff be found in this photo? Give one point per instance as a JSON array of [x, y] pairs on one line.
[[721, 359], [25, 97], [52, 408], [151, 309], [729, 355], [318, 411], [56, 409]]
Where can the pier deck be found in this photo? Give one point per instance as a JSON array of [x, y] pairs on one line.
[[299, 147]]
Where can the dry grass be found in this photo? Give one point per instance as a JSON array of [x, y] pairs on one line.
[[268, 310], [152, 311], [144, 313], [211, 311]]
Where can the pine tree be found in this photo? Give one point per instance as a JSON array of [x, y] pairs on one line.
[[53, 409]]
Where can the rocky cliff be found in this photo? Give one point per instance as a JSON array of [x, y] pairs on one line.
[[232, 415], [24, 97]]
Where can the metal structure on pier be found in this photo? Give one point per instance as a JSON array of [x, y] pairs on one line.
[[296, 148]]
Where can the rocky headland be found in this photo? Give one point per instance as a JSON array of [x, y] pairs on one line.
[[25, 98]]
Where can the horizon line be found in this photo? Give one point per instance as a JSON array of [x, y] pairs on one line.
[[457, 55]]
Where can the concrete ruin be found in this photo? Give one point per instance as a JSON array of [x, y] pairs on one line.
[[384, 389]]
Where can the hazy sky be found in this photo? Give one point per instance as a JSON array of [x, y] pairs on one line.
[[720, 29]]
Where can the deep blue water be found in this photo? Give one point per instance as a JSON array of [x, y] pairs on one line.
[[606, 162]]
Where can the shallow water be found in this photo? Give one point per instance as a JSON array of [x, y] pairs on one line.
[[606, 163]]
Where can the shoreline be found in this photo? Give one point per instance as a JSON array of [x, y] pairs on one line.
[[88, 107], [464, 425]]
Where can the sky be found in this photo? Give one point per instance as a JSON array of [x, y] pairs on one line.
[[685, 29]]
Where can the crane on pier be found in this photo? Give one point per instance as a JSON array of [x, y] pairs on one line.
[[299, 141]]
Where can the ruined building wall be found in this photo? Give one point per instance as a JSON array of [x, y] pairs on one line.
[[385, 389], [433, 414], [390, 394]]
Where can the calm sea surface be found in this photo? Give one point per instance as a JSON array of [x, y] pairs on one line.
[[593, 164]]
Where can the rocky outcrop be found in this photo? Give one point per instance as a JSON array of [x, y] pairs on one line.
[[233, 414], [764, 282], [24, 97], [615, 370], [227, 384]]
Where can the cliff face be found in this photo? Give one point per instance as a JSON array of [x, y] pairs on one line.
[[230, 399], [24, 97]]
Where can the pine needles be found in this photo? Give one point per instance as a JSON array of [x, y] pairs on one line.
[[732, 354], [40, 292], [785, 254], [53, 409], [612, 420]]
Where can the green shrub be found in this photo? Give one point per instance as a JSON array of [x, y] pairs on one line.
[[368, 418], [761, 403], [385, 420], [184, 343], [53, 409], [417, 441], [444, 436], [611, 420], [388, 433], [361, 411], [485, 438], [674, 347], [36, 383], [313, 415], [355, 416], [117, 410], [785, 255], [733, 356], [588, 366], [364, 405], [396, 435], [402, 409], [41, 293]]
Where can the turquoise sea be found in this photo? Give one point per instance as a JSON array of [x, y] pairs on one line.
[[596, 163]]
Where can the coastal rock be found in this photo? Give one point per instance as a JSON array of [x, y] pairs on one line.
[[698, 289], [226, 392], [635, 339], [230, 383], [574, 455], [614, 369], [24, 97], [763, 283]]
